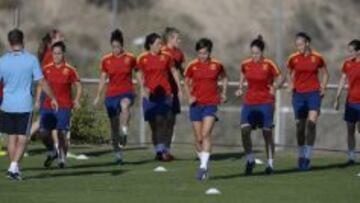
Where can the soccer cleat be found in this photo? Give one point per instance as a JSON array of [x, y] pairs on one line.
[[158, 156], [301, 162], [306, 165], [269, 170], [123, 140], [119, 162], [350, 162], [202, 174], [49, 160], [249, 167], [61, 164], [167, 157], [8, 174], [14, 176]]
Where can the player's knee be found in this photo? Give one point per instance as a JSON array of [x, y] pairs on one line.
[[62, 135], [267, 131], [245, 130], [205, 135], [125, 104], [311, 125]]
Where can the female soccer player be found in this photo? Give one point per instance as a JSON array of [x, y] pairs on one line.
[[44, 51], [118, 67], [263, 78], [61, 77], [171, 39], [201, 77], [351, 73], [304, 67], [153, 75], [45, 57]]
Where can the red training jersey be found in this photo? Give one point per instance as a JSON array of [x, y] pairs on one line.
[[306, 69], [178, 57], [156, 70], [352, 70], [204, 78], [176, 54], [60, 80], [119, 70], [47, 58], [260, 77]]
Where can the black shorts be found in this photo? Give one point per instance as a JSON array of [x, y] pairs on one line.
[[15, 123]]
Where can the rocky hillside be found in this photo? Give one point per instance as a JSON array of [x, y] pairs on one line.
[[230, 23]]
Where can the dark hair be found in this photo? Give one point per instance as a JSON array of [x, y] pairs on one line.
[[355, 43], [169, 31], [45, 41], [204, 43], [258, 42], [43, 46], [16, 37], [304, 35], [117, 35], [150, 39], [60, 44]]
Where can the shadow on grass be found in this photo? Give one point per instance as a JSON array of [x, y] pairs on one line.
[[65, 173], [41, 150], [108, 151], [227, 156], [89, 165], [287, 171]]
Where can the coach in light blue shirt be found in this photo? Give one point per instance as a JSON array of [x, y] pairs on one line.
[[18, 70]]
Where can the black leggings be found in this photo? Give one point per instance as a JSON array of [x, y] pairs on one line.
[[162, 128]]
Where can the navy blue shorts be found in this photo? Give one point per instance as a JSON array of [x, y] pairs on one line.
[[258, 116], [199, 112], [305, 102], [156, 106], [15, 123], [113, 106], [352, 113], [55, 120]]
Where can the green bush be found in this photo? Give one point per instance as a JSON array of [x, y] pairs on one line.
[[89, 124]]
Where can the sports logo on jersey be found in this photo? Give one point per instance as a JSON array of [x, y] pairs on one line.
[[265, 67], [296, 60], [108, 62], [127, 60], [213, 66], [65, 71], [313, 59], [162, 58]]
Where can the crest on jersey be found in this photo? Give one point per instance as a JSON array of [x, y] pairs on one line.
[[296, 60], [144, 60], [195, 68], [65, 71], [265, 67], [108, 62], [313, 59], [162, 58], [213, 66], [127, 60]]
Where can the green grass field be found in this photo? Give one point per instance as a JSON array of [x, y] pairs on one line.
[[97, 180]]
